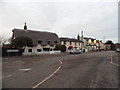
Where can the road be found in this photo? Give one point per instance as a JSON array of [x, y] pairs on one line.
[[85, 70]]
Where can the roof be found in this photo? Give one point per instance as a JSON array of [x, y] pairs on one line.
[[70, 39], [37, 35], [89, 38]]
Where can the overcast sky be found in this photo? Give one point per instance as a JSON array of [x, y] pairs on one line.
[[67, 18]]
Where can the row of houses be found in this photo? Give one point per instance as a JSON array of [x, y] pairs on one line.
[[45, 42]]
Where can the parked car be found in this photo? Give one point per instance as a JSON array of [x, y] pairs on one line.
[[75, 51], [118, 50]]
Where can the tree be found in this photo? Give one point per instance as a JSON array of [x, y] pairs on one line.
[[3, 40], [20, 42], [62, 48], [112, 44]]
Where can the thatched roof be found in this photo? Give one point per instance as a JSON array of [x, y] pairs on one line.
[[36, 36]]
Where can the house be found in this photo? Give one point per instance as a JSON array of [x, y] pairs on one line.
[[91, 44], [102, 45], [44, 42], [71, 43]]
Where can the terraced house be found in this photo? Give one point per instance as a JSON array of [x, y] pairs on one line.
[[71, 43]]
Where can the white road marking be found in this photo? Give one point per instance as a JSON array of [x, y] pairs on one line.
[[60, 61], [111, 58], [27, 69], [7, 76], [112, 62], [46, 78]]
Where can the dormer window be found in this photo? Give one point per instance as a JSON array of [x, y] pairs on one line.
[[39, 41], [48, 42], [55, 42], [64, 42]]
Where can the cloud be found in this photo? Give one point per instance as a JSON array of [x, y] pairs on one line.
[[95, 18]]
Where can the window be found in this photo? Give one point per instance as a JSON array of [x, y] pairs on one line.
[[46, 49], [64, 42], [55, 42], [75, 43], [50, 49], [23, 50], [38, 50], [70, 43], [39, 42], [29, 50], [48, 42]]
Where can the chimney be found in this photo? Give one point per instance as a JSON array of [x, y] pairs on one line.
[[25, 26], [82, 34], [78, 37]]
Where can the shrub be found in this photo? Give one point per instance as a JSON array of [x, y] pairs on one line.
[[62, 48]]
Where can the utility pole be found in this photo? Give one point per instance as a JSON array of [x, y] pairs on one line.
[[103, 39], [81, 35], [82, 46]]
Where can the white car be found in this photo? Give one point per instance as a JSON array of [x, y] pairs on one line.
[[118, 50], [75, 51]]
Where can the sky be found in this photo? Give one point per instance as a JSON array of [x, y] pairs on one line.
[[67, 18]]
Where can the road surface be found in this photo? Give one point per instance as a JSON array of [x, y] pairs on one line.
[[85, 70]]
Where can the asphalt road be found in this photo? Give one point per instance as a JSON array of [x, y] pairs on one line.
[[86, 70]]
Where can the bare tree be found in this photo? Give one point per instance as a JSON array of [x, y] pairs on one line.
[[3, 40]]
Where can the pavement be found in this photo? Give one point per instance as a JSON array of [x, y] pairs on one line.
[[85, 70]]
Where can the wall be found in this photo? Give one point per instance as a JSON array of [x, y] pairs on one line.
[[34, 50], [79, 46]]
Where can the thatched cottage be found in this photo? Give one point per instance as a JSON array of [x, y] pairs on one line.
[[44, 42]]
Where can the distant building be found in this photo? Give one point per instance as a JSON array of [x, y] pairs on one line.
[[71, 43], [102, 45], [91, 44], [43, 42]]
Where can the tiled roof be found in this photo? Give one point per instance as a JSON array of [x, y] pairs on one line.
[[70, 39]]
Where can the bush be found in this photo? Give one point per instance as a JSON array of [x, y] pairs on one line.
[[62, 48]]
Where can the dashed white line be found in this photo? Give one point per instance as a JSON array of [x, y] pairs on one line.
[[7, 76], [112, 62], [111, 58], [27, 69]]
